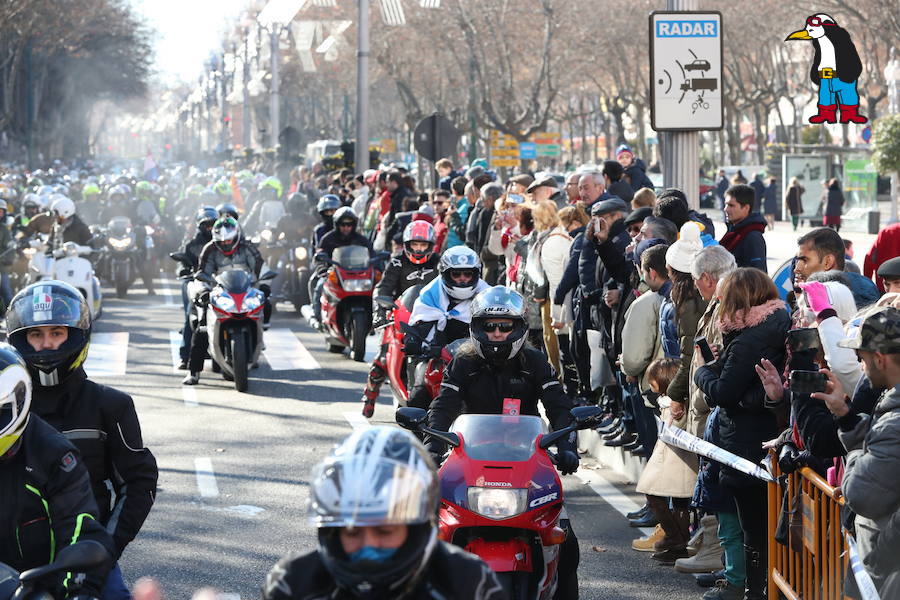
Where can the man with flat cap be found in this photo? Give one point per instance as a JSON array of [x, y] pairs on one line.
[[546, 188], [872, 441], [889, 272]]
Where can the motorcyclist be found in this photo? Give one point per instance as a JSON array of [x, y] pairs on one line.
[[31, 206], [326, 208], [415, 265], [141, 213], [268, 207], [228, 249], [205, 219], [68, 227], [498, 373], [343, 234], [49, 324], [47, 501], [7, 258], [227, 209], [374, 501], [294, 225], [441, 314]]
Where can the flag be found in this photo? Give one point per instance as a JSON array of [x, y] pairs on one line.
[[236, 193], [151, 170]]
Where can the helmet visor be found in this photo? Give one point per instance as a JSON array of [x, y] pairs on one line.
[[43, 305], [13, 406], [359, 491]]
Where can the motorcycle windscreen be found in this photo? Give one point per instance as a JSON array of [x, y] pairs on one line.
[[352, 258], [119, 226], [503, 438], [235, 281]]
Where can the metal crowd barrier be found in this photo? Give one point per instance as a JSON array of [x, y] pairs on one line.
[[814, 563]]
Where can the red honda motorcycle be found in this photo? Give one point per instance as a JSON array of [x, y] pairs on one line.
[[347, 298], [501, 497]]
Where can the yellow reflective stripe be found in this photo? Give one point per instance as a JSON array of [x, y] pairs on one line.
[[37, 493], [79, 521]]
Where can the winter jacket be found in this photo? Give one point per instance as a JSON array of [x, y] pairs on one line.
[[794, 200], [870, 477], [746, 242], [194, 247], [640, 337], [622, 190], [841, 361], [320, 231], [886, 247], [770, 201], [864, 291], [670, 471], [246, 255], [46, 503], [553, 256], [471, 385], [456, 225], [698, 409], [5, 238], [451, 574], [569, 280], [103, 424], [401, 274], [721, 187], [667, 327], [637, 175], [334, 240], [834, 202], [471, 237], [759, 190], [731, 382], [687, 317]]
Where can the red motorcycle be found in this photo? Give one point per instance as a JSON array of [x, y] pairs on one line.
[[347, 298], [501, 497]]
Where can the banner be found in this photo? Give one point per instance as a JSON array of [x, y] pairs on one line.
[[867, 590], [679, 438]]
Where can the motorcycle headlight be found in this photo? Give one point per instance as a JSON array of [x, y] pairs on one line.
[[497, 503], [301, 254], [224, 303], [29, 252], [120, 243], [266, 235], [253, 301], [357, 285]]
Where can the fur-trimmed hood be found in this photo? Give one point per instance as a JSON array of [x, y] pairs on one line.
[[750, 318]]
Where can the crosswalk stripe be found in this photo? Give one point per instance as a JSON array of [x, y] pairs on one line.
[[356, 420], [284, 352], [107, 355], [610, 494], [189, 394], [175, 346], [206, 478]]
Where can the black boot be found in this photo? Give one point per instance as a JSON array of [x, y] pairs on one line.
[[757, 574]]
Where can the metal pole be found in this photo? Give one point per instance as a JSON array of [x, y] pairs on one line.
[[275, 98], [681, 158], [361, 158], [246, 140]]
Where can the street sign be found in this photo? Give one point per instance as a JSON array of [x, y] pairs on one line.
[[527, 150], [504, 149], [548, 143], [686, 71], [435, 137]]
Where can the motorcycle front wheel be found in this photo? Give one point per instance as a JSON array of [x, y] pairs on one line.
[[359, 329], [239, 360]]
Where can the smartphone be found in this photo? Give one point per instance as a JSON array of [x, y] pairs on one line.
[[807, 382], [515, 198], [705, 351], [803, 338]]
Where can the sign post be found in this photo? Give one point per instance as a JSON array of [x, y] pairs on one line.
[[685, 88]]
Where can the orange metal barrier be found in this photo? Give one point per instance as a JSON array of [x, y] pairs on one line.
[[817, 561]]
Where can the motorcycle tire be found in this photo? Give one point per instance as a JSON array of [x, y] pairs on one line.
[[359, 329], [515, 583], [302, 297], [121, 285], [335, 348], [239, 364]]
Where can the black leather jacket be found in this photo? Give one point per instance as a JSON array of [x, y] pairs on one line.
[[246, 255]]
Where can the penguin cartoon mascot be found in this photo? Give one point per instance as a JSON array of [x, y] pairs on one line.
[[835, 69]]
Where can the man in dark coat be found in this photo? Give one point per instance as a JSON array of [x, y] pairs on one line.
[[759, 190], [745, 228]]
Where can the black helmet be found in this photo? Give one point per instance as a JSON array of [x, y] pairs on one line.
[[206, 215], [227, 209], [296, 205], [345, 215], [15, 399], [377, 476], [50, 303], [498, 302]]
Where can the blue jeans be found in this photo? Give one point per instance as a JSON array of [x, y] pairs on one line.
[[115, 588], [834, 91]]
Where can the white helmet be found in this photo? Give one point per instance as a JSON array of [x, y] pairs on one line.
[[63, 207], [15, 398]]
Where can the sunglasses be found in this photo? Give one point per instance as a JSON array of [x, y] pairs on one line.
[[503, 326], [456, 273], [816, 22], [345, 224]]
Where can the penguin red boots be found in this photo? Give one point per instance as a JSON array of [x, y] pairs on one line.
[[827, 114], [850, 114]]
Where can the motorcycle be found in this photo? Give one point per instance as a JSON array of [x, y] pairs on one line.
[[121, 256], [42, 583], [295, 265], [234, 322], [501, 497], [347, 298], [71, 267]]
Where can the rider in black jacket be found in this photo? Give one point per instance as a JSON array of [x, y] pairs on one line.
[[375, 541], [45, 499], [416, 265], [49, 324], [205, 218]]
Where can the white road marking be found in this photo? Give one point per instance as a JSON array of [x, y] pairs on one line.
[[175, 345], [356, 420], [284, 352], [108, 355], [227, 596], [206, 478], [189, 393], [167, 292], [610, 494]]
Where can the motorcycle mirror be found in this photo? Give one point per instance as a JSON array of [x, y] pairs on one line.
[[586, 416], [80, 556], [384, 302], [267, 276], [411, 418], [322, 257], [178, 257], [205, 278]]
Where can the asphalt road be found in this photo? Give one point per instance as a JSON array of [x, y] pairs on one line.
[[234, 467]]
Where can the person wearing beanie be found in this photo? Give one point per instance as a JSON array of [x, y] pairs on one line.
[[635, 170]]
